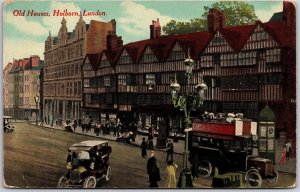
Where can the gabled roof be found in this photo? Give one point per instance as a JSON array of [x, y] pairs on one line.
[[93, 58], [236, 36], [112, 55], [162, 46], [278, 30]]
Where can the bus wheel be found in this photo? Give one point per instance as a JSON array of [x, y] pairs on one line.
[[205, 168]]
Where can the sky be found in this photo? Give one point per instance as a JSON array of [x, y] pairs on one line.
[[25, 35]]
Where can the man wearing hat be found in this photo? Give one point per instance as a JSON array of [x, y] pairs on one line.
[[170, 150], [153, 171]]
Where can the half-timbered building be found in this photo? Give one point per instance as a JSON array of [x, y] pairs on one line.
[[245, 68]]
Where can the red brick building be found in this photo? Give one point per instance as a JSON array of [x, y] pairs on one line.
[[245, 67]]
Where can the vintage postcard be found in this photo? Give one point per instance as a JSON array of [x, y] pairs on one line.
[[149, 94]]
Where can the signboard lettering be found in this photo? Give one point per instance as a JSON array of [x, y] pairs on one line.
[[224, 129]]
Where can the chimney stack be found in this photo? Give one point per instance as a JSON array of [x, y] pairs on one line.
[[155, 29], [215, 20], [113, 41], [114, 26]]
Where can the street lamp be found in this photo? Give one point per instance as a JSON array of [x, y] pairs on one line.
[[187, 102], [36, 99]]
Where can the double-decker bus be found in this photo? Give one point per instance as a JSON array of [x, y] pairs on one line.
[[229, 148]]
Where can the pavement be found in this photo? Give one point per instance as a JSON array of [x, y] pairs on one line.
[[288, 167]]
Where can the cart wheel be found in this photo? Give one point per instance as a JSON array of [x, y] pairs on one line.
[[90, 182], [253, 179], [63, 182], [205, 168], [274, 179], [108, 173]]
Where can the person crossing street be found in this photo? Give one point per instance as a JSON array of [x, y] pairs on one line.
[[153, 171], [170, 150]]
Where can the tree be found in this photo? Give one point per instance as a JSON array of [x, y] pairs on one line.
[[236, 13]]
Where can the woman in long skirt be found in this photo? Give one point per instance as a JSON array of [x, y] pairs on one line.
[[283, 156], [171, 175], [144, 147]]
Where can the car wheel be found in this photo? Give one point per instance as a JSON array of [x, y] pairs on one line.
[[108, 173], [274, 179], [205, 168], [63, 182], [253, 179], [90, 182]]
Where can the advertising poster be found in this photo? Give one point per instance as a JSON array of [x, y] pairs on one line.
[[104, 94]]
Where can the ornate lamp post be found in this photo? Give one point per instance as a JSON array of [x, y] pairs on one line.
[[36, 99], [187, 102]]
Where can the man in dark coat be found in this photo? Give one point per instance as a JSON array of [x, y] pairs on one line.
[[144, 147], [170, 150], [153, 171], [74, 125], [150, 138]]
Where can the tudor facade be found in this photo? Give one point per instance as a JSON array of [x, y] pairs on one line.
[[245, 68]]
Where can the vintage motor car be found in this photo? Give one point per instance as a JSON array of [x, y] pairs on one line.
[[217, 146], [8, 126], [89, 164]]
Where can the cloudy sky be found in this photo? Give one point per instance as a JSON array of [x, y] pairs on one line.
[[25, 35]]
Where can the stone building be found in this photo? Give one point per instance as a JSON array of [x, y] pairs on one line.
[[245, 68], [64, 54], [5, 88], [23, 87]]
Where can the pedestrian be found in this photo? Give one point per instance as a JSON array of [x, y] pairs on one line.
[[115, 130], [102, 127], [74, 125], [79, 122], [144, 147], [83, 127], [97, 128], [170, 150], [150, 138], [119, 129], [171, 174], [89, 126], [283, 156], [153, 171], [288, 146]]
